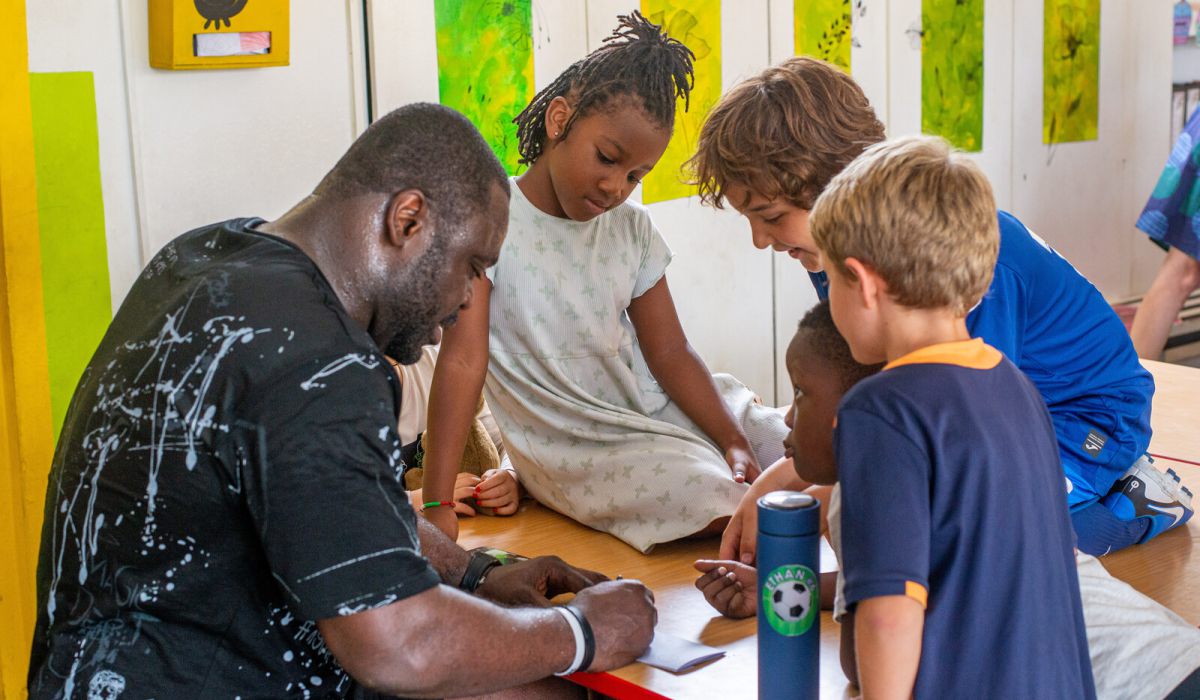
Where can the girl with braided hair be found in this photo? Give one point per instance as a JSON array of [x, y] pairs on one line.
[[607, 413]]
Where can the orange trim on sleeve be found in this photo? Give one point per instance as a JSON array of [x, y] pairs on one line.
[[972, 354], [917, 592]]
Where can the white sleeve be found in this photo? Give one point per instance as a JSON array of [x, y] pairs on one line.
[[656, 255], [834, 517]]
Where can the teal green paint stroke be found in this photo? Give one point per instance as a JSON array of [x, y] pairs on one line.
[[952, 71], [75, 282], [485, 66]]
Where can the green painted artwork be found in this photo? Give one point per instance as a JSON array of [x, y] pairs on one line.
[[952, 71], [74, 246], [697, 23], [485, 66], [822, 30], [1071, 71]]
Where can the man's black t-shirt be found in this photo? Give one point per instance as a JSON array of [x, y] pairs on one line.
[[228, 473]]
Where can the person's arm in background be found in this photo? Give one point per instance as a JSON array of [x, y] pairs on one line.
[[887, 642], [686, 379], [416, 647], [453, 396]]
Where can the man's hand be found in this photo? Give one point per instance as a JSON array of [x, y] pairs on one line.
[[738, 542], [622, 617], [729, 586], [535, 582], [742, 463], [498, 491]]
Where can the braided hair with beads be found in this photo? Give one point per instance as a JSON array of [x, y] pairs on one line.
[[638, 60]]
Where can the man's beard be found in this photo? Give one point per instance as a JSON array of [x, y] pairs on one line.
[[409, 315]]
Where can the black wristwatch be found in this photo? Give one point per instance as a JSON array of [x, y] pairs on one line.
[[477, 570]]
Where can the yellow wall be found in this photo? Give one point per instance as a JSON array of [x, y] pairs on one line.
[[25, 425]]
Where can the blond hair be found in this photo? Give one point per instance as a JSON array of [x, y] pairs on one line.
[[919, 214], [784, 132]]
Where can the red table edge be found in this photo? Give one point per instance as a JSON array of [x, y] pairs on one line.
[[1174, 459], [616, 687]]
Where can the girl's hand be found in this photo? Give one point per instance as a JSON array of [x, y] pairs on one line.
[[742, 463], [498, 490], [464, 488], [729, 586], [740, 537]]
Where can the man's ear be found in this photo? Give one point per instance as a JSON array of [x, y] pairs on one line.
[[558, 113], [867, 283], [406, 218]]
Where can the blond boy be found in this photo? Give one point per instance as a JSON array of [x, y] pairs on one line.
[[957, 547]]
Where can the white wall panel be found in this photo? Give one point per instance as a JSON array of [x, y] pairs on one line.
[[869, 52], [1148, 91], [216, 144]]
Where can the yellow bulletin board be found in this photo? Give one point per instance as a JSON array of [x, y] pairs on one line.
[[197, 34]]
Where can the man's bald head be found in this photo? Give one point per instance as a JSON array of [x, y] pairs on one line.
[[424, 147]]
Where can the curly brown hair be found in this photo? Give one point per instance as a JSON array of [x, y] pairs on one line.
[[785, 132]]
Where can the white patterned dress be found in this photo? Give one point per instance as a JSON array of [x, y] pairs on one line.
[[590, 431]]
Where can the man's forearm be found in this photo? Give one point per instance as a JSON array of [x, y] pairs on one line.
[[502, 648], [443, 643], [446, 557]]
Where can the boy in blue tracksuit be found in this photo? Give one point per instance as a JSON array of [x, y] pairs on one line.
[[771, 146], [1054, 325]]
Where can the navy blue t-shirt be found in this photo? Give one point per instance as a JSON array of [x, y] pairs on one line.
[[952, 494], [1052, 323]]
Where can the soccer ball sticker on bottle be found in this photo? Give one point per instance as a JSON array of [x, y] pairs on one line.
[[789, 596]]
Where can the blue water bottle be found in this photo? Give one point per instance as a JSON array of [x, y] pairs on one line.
[[789, 627]]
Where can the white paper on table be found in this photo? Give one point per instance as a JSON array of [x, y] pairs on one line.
[[675, 654]]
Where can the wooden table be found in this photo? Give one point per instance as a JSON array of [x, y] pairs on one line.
[[1176, 413], [1167, 569], [682, 611]]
